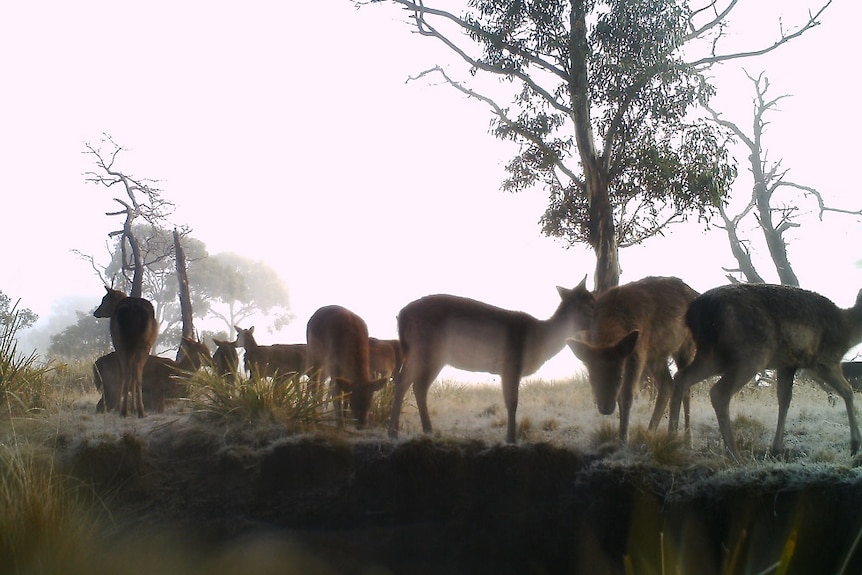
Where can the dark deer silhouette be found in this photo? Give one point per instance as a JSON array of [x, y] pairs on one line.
[[225, 359], [163, 378], [133, 333], [742, 329], [440, 330], [635, 329], [279, 360], [338, 349]]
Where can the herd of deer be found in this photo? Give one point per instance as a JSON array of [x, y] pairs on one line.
[[623, 336]]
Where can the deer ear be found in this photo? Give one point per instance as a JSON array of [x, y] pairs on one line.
[[581, 349], [859, 299], [626, 345], [344, 384]]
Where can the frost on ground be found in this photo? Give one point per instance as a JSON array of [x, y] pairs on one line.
[[566, 499]]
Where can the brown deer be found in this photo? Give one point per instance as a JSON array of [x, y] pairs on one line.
[[440, 330], [384, 357], [225, 359], [742, 329], [338, 349], [279, 360], [133, 332], [162, 377], [635, 329]]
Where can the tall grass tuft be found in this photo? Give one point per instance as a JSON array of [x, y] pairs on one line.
[[287, 400], [381, 406], [23, 381], [47, 525]]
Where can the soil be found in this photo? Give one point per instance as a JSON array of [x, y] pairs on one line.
[[424, 505]]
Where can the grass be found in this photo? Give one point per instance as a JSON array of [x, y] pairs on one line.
[[24, 384], [288, 400]]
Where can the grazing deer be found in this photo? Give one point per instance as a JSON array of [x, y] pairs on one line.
[[440, 330], [225, 359], [741, 329], [338, 349], [162, 377], [384, 357], [269, 360], [634, 330], [133, 332]]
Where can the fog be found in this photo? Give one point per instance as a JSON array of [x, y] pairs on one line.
[[287, 133]]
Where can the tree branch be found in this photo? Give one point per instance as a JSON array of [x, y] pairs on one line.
[[501, 114]]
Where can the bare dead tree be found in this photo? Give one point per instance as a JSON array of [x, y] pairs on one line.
[[769, 179], [185, 294], [142, 199]]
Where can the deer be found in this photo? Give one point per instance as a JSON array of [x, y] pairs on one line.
[[162, 377], [225, 359], [276, 361], [742, 329], [134, 330], [338, 348], [635, 329], [384, 357], [439, 330]]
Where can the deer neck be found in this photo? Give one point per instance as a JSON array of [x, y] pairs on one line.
[[548, 337]]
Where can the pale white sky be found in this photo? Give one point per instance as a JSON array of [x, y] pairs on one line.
[[286, 132]]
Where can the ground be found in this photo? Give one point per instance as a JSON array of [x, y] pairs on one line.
[[566, 499]]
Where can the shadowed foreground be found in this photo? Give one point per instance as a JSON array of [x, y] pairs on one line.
[[435, 506]]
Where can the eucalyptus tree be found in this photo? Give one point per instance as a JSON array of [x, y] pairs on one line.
[[599, 96]]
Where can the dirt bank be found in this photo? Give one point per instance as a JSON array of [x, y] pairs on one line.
[[435, 506]]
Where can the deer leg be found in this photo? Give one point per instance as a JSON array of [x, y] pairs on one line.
[[402, 383], [138, 384], [832, 376], [693, 373], [511, 381], [122, 399], [721, 393], [784, 389], [420, 391], [664, 387], [632, 373]]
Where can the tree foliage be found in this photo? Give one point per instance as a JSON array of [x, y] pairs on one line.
[[10, 313], [600, 98], [237, 288], [88, 338]]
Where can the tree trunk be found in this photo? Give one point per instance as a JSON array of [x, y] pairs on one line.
[[774, 240], [137, 258], [603, 237], [743, 258], [185, 295]]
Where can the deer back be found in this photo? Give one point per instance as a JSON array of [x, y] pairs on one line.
[[774, 325]]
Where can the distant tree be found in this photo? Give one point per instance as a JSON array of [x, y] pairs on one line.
[[139, 199], [775, 203], [159, 284], [88, 338], [238, 288], [8, 311], [599, 95]]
